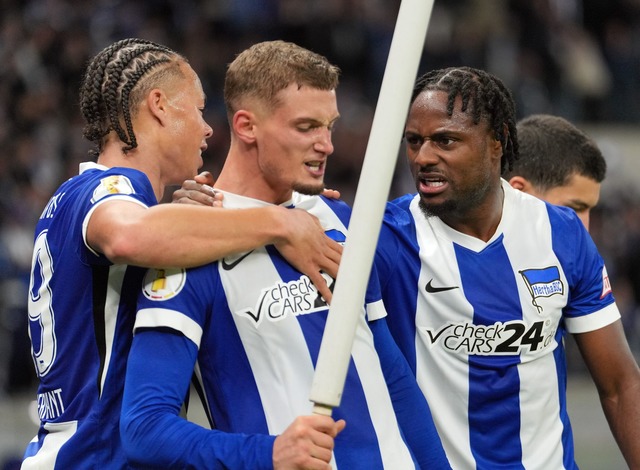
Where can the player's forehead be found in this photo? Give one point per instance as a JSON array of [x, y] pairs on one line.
[[430, 111], [579, 192]]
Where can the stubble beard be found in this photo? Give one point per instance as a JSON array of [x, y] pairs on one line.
[[459, 206], [308, 189]]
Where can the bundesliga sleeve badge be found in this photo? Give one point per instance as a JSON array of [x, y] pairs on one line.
[[163, 284], [114, 184]]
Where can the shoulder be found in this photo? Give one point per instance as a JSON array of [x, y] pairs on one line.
[[123, 182], [532, 208], [397, 214]]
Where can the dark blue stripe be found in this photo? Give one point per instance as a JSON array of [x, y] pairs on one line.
[[494, 384]]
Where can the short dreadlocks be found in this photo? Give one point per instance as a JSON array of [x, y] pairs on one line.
[[484, 96]]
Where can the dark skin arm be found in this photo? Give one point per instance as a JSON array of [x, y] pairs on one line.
[[200, 191], [617, 379]]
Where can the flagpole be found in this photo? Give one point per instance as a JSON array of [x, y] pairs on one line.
[[370, 200]]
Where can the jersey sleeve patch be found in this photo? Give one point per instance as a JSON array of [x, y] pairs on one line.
[[163, 284], [113, 184], [606, 285]]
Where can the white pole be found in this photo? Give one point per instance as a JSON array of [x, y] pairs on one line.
[[370, 200]]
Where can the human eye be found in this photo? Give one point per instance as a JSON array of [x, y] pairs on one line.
[[305, 127], [444, 141], [413, 140]]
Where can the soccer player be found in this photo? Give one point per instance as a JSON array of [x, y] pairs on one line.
[[143, 108], [558, 163], [251, 325], [482, 282]]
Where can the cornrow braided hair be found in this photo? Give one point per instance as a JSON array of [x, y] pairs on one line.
[[484, 96], [106, 98]]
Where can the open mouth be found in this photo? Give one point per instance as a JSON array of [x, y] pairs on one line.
[[316, 167], [432, 183]]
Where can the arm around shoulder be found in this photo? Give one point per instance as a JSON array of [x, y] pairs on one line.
[[177, 235]]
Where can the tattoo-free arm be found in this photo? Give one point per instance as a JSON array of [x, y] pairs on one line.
[[617, 378]]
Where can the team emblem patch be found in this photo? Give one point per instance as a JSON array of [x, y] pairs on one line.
[[162, 284], [543, 282], [114, 184]]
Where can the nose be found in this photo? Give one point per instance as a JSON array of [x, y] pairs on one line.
[[324, 144], [208, 130], [424, 155]]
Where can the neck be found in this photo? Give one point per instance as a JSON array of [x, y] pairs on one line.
[[113, 156], [242, 175], [483, 220]]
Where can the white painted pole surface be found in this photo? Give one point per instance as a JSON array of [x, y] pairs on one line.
[[370, 200]]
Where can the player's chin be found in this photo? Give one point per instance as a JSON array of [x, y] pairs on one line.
[[310, 189]]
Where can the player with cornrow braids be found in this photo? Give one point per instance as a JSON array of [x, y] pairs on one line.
[[482, 282], [143, 105]]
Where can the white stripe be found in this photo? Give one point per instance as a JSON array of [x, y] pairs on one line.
[[283, 372], [435, 367], [393, 450], [58, 435], [541, 428], [162, 317], [593, 321], [112, 304]]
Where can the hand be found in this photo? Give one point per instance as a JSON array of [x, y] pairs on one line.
[[307, 443], [331, 193], [199, 191], [309, 249]]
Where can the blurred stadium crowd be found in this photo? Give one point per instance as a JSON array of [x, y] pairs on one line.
[[576, 58]]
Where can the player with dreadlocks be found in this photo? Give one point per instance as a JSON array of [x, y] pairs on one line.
[[143, 105], [483, 281]]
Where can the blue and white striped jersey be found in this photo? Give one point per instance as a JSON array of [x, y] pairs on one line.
[[252, 326], [81, 314], [482, 325]]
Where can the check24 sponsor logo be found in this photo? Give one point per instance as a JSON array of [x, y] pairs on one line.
[[504, 339]]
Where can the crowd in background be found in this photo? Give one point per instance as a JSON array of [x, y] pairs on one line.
[[578, 59]]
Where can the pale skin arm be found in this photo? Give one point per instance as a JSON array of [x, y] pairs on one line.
[[617, 378], [307, 443], [174, 235]]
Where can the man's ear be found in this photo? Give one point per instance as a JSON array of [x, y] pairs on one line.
[[244, 125], [520, 183], [157, 104]]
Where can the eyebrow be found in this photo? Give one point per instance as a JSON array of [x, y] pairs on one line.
[[310, 120], [577, 204]]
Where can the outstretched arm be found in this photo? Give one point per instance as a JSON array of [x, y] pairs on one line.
[[153, 434], [617, 378]]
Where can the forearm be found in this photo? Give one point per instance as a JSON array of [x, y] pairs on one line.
[[162, 440], [616, 375], [623, 416], [170, 235], [154, 435]]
